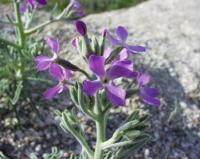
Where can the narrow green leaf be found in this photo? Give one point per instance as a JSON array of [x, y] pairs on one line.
[[17, 93]]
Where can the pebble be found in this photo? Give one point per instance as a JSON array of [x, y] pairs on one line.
[[38, 148]]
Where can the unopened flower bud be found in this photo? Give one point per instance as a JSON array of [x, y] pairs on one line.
[[104, 33], [81, 27]]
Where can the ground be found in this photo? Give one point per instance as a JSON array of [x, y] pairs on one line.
[[170, 30]]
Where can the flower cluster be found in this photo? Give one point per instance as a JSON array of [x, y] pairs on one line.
[[76, 9], [106, 65], [73, 11], [31, 4], [58, 72]]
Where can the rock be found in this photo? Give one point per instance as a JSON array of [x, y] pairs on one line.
[[38, 148], [170, 30]]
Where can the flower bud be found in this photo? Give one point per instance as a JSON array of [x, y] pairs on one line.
[[81, 27], [102, 42], [66, 64], [104, 33]]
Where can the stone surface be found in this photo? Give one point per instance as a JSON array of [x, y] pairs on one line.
[[170, 29]]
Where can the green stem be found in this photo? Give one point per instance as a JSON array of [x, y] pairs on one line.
[[100, 129], [33, 30], [58, 18], [19, 25], [28, 23], [85, 73]]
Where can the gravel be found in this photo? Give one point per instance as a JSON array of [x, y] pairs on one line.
[[170, 29]]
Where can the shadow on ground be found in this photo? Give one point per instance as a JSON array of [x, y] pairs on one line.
[[174, 137]]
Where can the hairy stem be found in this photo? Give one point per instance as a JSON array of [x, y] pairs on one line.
[[35, 29], [100, 129], [21, 38], [85, 73]]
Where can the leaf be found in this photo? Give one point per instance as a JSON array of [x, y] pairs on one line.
[[126, 151], [17, 93], [134, 115], [95, 45], [2, 156], [55, 154], [73, 95]]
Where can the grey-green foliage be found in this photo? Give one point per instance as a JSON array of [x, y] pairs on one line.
[[130, 136], [15, 66], [54, 154], [2, 156]]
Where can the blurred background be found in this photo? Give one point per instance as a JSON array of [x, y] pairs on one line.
[[93, 6]]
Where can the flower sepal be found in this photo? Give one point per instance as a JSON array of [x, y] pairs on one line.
[[81, 100], [66, 64], [102, 42], [113, 54], [95, 45]]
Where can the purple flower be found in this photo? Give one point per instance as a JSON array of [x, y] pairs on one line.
[[120, 40], [81, 27], [77, 8], [34, 3], [23, 8], [105, 78], [123, 55], [73, 43], [62, 75], [148, 94], [45, 62]]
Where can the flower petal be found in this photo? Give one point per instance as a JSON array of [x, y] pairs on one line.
[[56, 71], [122, 33], [96, 64], [31, 3], [123, 68], [135, 49], [143, 79], [91, 87], [81, 27], [77, 8], [67, 74], [53, 44], [112, 40], [116, 95], [73, 43], [152, 92], [107, 52], [42, 2], [123, 55], [43, 62], [51, 92], [151, 101], [23, 8]]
